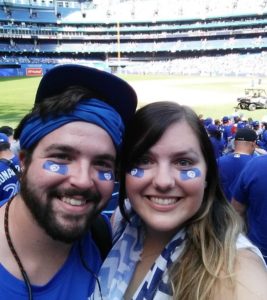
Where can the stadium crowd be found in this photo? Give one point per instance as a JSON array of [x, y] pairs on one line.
[[240, 147]]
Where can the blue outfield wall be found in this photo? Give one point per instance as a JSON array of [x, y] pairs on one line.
[[23, 69]]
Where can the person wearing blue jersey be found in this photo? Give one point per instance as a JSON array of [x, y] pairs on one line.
[[231, 165], [216, 139], [9, 170], [69, 145], [9, 131], [250, 201], [262, 142], [226, 129]]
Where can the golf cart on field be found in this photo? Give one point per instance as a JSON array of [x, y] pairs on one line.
[[254, 98]]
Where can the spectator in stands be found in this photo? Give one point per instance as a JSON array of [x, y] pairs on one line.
[[218, 123], [262, 142], [69, 143], [227, 129], [177, 236], [250, 201], [215, 136], [9, 170], [9, 131], [256, 127], [231, 165], [207, 122]]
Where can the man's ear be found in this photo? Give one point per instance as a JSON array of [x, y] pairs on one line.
[[22, 160]]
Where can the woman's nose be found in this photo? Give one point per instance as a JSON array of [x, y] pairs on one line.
[[163, 178]]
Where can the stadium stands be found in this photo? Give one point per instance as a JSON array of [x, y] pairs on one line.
[[126, 33]]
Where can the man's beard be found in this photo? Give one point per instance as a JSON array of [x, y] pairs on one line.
[[45, 216]]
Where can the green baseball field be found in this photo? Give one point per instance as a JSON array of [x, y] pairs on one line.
[[211, 96]]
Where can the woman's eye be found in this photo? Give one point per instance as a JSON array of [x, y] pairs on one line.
[[106, 165], [184, 162], [142, 161]]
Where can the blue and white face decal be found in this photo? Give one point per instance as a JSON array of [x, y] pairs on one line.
[[190, 174], [137, 172], [105, 175], [55, 167]]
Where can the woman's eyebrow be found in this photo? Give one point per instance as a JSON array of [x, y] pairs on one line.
[[109, 157]]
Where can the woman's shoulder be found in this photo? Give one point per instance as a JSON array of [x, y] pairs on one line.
[[244, 243], [250, 276]]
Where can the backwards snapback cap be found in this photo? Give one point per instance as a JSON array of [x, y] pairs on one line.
[[3, 138], [115, 91], [246, 134]]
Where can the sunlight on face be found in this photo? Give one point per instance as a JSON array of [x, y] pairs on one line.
[[70, 179], [166, 185]]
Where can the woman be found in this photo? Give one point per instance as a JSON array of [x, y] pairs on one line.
[[178, 237]]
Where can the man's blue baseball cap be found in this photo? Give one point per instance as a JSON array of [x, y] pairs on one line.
[[4, 138], [113, 90], [225, 119]]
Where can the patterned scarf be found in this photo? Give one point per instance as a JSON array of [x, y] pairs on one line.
[[118, 268]]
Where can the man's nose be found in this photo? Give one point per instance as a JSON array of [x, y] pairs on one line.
[[82, 176]]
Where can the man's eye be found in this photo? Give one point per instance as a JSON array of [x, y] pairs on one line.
[[61, 156]]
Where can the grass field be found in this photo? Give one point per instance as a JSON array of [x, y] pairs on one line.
[[211, 96]]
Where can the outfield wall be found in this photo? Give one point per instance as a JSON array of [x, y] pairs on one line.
[[30, 69], [9, 70]]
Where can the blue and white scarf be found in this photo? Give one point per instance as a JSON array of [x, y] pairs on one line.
[[118, 268]]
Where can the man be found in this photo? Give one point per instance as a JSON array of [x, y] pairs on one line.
[[262, 142], [9, 131], [215, 136], [69, 144], [226, 129], [250, 201], [231, 165], [256, 127], [9, 170]]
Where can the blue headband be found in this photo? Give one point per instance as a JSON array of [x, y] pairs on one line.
[[90, 110]]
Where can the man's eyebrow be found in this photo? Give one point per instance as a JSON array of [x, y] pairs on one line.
[[60, 147], [66, 148]]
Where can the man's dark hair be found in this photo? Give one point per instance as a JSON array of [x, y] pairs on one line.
[[4, 146], [7, 130]]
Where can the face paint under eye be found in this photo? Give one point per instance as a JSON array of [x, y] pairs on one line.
[[55, 167], [190, 174], [105, 175], [137, 172]]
